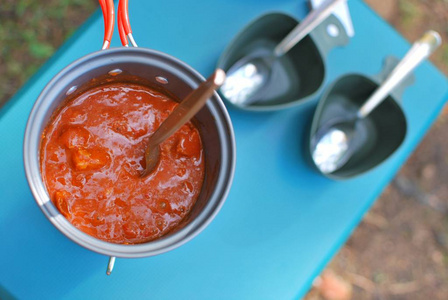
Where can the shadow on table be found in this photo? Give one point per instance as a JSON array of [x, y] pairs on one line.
[[5, 295]]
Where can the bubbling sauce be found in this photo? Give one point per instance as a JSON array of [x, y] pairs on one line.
[[92, 155]]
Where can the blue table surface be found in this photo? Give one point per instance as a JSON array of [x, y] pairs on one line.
[[282, 222]]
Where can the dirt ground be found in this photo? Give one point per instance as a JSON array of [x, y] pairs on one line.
[[400, 249]]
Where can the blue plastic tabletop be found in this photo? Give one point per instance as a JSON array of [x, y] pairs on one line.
[[282, 222]]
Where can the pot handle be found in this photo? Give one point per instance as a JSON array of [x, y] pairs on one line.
[[124, 26], [110, 265]]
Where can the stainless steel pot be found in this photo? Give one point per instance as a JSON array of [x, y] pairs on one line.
[[157, 69]]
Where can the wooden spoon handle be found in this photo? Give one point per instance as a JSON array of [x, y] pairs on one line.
[[188, 108]]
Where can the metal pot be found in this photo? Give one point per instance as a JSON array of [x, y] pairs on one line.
[[156, 69]]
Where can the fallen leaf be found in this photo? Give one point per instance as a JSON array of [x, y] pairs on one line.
[[333, 287]]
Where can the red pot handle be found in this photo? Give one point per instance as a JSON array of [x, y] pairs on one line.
[[124, 27]]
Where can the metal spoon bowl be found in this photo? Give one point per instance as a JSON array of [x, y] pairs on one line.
[[246, 77], [332, 144]]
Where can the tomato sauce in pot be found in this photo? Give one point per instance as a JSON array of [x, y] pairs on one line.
[[92, 155]]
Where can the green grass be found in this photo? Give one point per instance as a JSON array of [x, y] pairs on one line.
[[409, 12], [445, 54], [30, 32]]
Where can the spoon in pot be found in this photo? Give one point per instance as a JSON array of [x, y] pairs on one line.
[[249, 74], [333, 142], [183, 112]]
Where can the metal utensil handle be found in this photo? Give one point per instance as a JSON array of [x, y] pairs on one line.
[[188, 107], [314, 18], [419, 51]]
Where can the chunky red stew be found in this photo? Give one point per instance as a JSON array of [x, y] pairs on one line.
[[92, 155]]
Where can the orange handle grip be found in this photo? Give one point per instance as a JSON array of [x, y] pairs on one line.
[[107, 6]]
